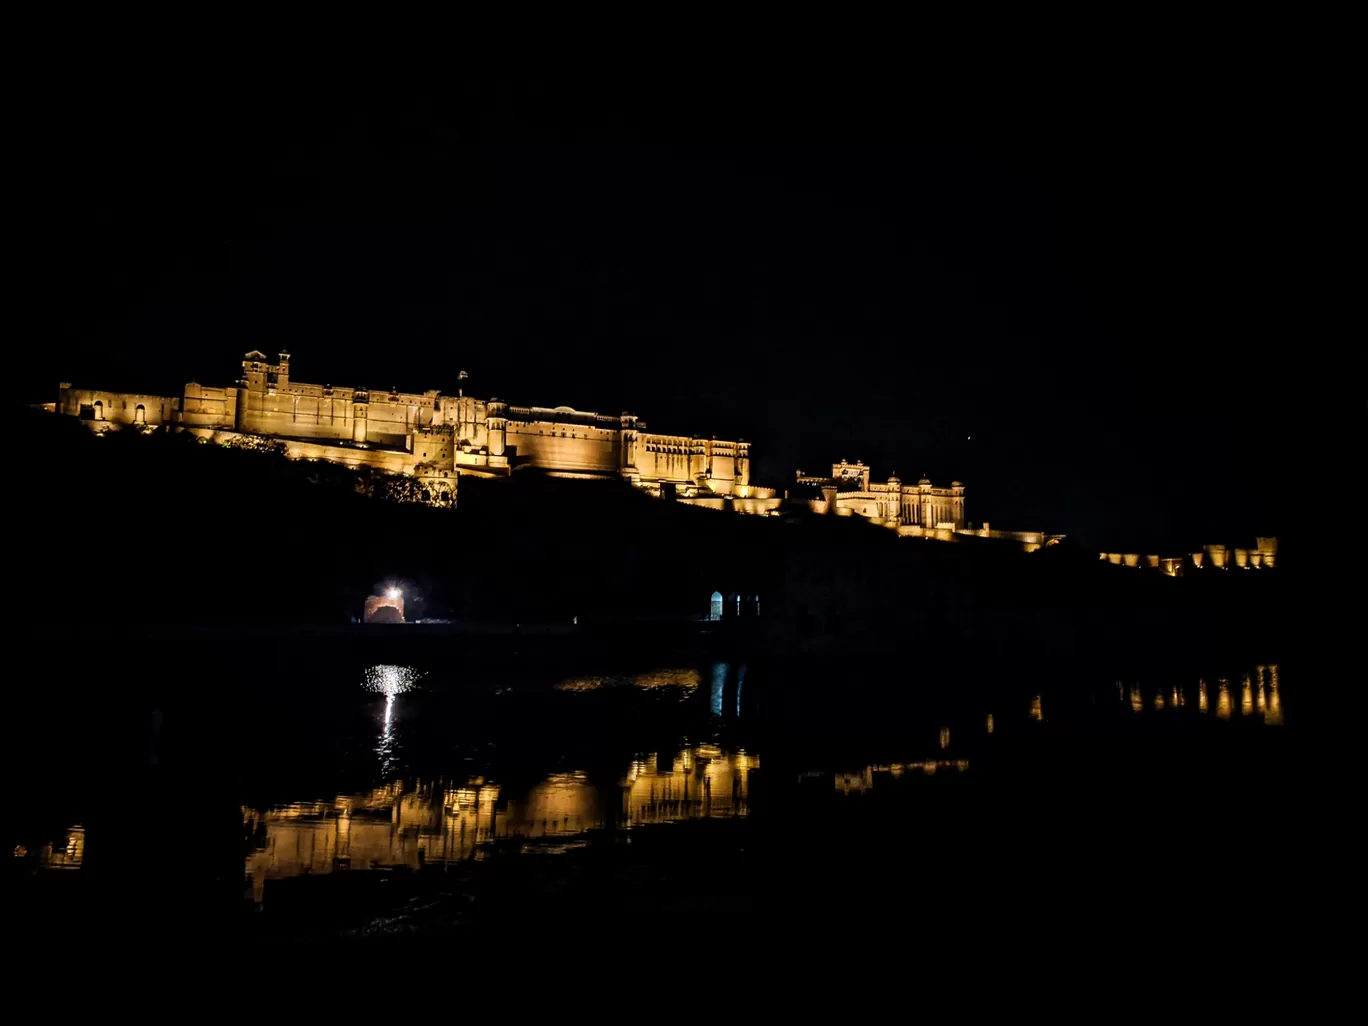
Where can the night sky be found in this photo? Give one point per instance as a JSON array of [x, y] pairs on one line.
[[1075, 322]]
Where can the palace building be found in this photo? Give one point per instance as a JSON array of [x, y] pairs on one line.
[[849, 490], [429, 435]]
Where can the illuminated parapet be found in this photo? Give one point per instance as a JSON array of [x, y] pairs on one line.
[[1216, 555]]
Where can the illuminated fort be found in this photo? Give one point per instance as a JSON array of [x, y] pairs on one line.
[[920, 510], [850, 489], [430, 436], [434, 439]]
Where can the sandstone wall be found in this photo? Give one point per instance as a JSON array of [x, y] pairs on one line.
[[562, 446], [305, 411], [116, 407], [208, 406]]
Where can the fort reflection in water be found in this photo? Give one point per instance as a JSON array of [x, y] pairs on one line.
[[431, 823], [423, 823]]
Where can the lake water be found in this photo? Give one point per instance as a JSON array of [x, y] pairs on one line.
[[368, 771]]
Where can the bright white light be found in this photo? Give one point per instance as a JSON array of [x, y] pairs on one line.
[[389, 707], [393, 593], [391, 680]]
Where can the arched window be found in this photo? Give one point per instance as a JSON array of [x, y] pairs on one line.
[[140, 414], [716, 613]]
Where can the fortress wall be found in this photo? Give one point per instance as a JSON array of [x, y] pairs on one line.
[[756, 505], [675, 466], [866, 504], [303, 390], [117, 407], [378, 459], [433, 446], [208, 406], [468, 418], [303, 411], [297, 416], [296, 449], [390, 423], [565, 446], [751, 506]]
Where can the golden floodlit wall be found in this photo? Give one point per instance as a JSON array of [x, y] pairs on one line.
[[208, 406], [270, 403], [119, 408], [564, 444], [427, 434]]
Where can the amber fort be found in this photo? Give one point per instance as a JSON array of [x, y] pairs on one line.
[[432, 436], [437, 438]]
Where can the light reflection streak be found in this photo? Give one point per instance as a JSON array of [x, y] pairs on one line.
[[1258, 696], [719, 685], [1274, 716]]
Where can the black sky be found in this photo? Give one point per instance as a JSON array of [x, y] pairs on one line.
[[1072, 319]]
